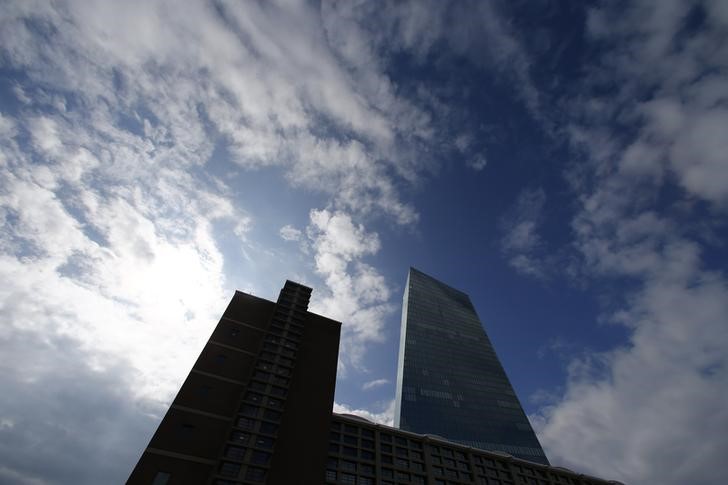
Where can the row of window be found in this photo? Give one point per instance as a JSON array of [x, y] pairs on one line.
[[252, 439], [450, 466]]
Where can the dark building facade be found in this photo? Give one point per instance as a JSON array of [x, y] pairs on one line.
[[256, 406], [364, 453], [256, 409], [450, 382]]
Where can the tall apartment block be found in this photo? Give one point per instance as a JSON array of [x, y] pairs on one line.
[[450, 382], [257, 404]]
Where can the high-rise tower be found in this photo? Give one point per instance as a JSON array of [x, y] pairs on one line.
[[449, 380]]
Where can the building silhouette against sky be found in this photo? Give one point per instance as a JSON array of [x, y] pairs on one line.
[[257, 404], [450, 382], [256, 409]]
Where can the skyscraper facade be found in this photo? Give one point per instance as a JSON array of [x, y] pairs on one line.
[[450, 382]]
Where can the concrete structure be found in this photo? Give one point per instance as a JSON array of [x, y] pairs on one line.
[[449, 380], [364, 453], [262, 387], [256, 408]]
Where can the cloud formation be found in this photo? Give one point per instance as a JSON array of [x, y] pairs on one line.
[[375, 383], [521, 243], [358, 294], [627, 413], [386, 416]]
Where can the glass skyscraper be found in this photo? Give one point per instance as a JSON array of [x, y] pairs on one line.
[[450, 382]]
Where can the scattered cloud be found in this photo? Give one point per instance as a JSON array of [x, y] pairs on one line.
[[477, 163], [358, 294], [627, 413], [521, 243], [290, 233], [375, 383], [386, 416]]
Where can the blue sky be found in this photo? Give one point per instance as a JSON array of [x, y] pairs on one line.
[[563, 163]]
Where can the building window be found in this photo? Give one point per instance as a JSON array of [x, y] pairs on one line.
[[330, 475], [348, 451], [349, 466], [220, 358], [228, 469], [368, 444], [348, 479], [257, 386], [234, 332], [278, 391], [367, 455], [264, 442], [255, 474], [387, 473], [272, 415], [365, 481], [275, 403], [245, 423], [385, 438], [263, 376], [386, 448], [254, 397], [403, 477], [239, 437], [235, 452], [249, 410], [161, 478], [366, 469], [350, 440], [268, 428], [281, 381], [260, 457]]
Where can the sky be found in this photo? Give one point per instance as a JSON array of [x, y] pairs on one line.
[[565, 163]]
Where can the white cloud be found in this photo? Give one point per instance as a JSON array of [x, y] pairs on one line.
[[290, 233], [358, 294], [375, 383], [630, 413], [521, 243], [385, 417], [478, 162]]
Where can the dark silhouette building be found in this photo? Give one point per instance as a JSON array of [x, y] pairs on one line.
[[257, 404], [449, 380], [256, 408], [364, 453]]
